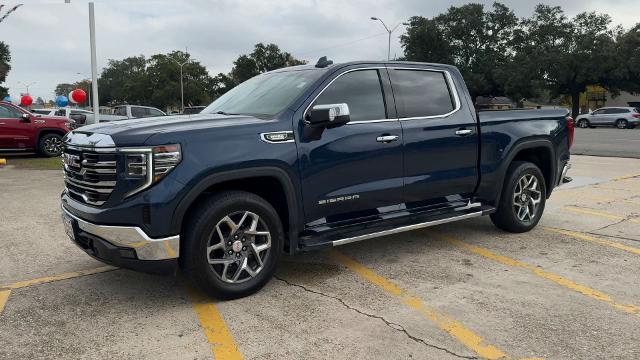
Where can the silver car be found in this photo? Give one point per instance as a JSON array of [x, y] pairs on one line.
[[620, 117]]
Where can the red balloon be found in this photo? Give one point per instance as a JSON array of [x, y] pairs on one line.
[[78, 96], [26, 100]]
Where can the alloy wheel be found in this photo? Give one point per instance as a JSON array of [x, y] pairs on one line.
[[53, 145], [526, 198], [238, 247]]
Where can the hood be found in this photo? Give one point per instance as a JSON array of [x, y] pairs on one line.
[[136, 132]]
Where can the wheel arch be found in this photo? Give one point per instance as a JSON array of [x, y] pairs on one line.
[[540, 152], [272, 180], [44, 131]]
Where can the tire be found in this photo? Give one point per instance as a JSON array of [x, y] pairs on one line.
[[212, 218], [622, 124], [50, 145], [508, 216], [583, 123]]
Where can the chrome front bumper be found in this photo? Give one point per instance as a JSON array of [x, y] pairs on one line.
[[133, 237]]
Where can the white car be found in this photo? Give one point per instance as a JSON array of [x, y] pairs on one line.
[[620, 117], [124, 112], [81, 117]]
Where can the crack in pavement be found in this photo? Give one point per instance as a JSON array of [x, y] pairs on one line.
[[390, 324], [611, 236]]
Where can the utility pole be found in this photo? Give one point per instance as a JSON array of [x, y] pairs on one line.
[[389, 31], [26, 85]]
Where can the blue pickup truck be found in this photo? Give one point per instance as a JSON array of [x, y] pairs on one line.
[[304, 158]]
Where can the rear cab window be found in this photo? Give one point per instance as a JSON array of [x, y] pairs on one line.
[[422, 93]]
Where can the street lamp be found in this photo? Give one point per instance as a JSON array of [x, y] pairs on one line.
[[26, 85], [181, 84], [389, 31]]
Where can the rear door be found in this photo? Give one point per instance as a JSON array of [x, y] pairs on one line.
[[440, 138], [598, 117], [351, 173]]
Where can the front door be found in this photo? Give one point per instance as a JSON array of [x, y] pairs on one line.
[[352, 172], [14, 131], [440, 138]]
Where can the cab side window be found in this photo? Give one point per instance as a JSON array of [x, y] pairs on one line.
[[361, 90], [421, 93], [7, 112], [138, 112]]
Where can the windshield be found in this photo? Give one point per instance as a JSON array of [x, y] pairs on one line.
[[264, 95]]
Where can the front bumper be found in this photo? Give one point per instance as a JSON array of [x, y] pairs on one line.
[[125, 246]]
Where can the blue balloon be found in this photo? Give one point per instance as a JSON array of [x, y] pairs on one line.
[[62, 101], [7, 98]]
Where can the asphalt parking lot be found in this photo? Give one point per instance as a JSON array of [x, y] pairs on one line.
[[607, 141], [567, 290]]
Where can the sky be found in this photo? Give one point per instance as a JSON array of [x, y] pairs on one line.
[[49, 40]]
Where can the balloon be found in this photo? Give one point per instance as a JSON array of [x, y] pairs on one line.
[[62, 101], [26, 100], [78, 96]]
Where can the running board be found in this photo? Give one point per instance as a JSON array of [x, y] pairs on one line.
[[405, 228]]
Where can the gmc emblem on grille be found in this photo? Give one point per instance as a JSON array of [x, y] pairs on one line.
[[71, 160]]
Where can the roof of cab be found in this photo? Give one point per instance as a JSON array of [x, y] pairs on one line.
[[361, 62]]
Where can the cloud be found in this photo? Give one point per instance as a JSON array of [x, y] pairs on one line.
[[49, 40]]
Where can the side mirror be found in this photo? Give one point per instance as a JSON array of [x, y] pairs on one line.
[[330, 115], [25, 118]]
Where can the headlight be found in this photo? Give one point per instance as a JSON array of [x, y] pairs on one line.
[[150, 164]]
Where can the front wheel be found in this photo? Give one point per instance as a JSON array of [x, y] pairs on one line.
[[523, 198], [622, 124], [232, 244], [50, 145]]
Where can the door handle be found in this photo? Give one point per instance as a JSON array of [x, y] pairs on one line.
[[3, 123], [387, 138], [464, 132]]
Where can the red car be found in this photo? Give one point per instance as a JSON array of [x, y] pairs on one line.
[[22, 131]]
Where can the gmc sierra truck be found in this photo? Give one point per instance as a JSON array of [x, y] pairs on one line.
[[304, 158]]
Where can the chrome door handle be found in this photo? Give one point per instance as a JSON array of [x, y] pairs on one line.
[[464, 132], [3, 123], [387, 138]]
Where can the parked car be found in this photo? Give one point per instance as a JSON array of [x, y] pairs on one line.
[[80, 116], [305, 158], [23, 131], [193, 109], [620, 117], [126, 112]]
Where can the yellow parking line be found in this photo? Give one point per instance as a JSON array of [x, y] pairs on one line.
[[446, 323], [584, 290], [65, 276], [625, 177], [215, 328], [598, 213], [581, 236], [4, 297]]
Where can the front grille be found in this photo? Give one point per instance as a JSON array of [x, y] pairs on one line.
[[89, 176]]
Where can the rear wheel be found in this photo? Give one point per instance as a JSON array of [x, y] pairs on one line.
[[523, 198], [583, 123], [622, 124], [232, 244], [50, 145]]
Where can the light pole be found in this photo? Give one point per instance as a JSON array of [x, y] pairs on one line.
[[181, 84], [26, 85], [389, 31]]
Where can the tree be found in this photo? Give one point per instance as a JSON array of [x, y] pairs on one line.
[[263, 58], [568, 54], [5, 66], [477, 41], [64, 89], [39, 101], [628, 76]]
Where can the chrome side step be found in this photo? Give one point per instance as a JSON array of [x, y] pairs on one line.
[[405, 228]]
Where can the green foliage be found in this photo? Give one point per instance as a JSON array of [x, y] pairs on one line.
[[156, 80], [477, 41], [263, 58], [5, 66], [547, 54]]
